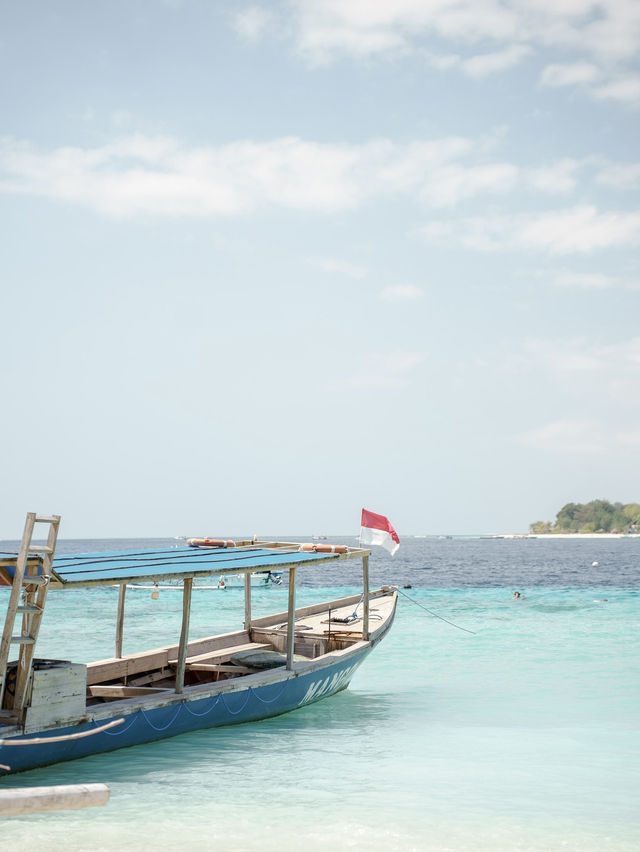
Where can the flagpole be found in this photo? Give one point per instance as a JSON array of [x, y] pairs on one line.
[[365, 590]]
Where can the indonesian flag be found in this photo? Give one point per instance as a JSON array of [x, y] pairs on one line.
[[376, 529]]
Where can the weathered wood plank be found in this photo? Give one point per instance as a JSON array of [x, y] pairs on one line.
[[247, 601], [115, 691], [129, 665], [57, 714], [291, 616], [217, 667], [226, 653], [58, 675], [122, 591], [157, 658], [32, 800], [184, 634]]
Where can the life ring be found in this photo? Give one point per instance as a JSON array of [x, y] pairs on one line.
[[323, 548], [210, 542]]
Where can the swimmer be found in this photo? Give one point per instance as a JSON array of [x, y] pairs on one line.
[[518, 595]]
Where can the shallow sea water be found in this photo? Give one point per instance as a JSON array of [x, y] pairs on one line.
[[524, 735]]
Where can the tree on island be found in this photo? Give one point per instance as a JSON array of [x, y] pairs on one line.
[[598, 516]]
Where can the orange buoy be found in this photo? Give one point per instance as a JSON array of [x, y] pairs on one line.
[[210, 542], [323, 548]]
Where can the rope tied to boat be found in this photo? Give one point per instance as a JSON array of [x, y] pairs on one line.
[[435, 614]]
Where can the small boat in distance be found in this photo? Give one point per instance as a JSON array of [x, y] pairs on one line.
[[56, 710]]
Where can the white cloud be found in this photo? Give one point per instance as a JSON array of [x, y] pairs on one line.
[[585, 437], [328, 27], [449, 184], [577, 230], [603, 362], [341, 267], [383, 371], [603, 35], [557, 178], [149, 175], [401, 293], [562, 356], [491, 63], [584, 280], [252, 22], [631, 439], [569, 74], [580, 437], [159, 176], [156, 176], [619, 175], [623, 89], [586, 373], [580, 229]]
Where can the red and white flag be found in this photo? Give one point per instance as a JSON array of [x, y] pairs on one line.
[[376, 529]]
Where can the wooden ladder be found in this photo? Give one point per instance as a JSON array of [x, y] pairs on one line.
[[32, 587]]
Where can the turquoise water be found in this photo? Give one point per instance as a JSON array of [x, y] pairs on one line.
[[524, 736]]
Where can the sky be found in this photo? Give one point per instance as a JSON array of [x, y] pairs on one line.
[[265, 264]]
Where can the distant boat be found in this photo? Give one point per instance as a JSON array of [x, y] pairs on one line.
[[56, 710], [318, 538]]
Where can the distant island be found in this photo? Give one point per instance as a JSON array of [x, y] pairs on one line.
[[598, 516]]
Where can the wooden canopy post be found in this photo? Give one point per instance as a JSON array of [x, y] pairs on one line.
[[122, 591], [247, 601], [184, 633], [291, 617], [365, 597]]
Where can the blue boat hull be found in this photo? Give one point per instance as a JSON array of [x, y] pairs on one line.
[[191, 713]]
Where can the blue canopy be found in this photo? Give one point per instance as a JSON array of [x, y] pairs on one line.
[[88, 569]]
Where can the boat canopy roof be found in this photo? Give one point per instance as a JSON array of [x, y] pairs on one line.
[[124, 566]]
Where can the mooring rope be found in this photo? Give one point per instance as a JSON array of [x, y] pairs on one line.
[[435, 614]]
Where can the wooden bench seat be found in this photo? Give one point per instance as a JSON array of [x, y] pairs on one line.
[[218, 667], [224, 654], [121, 691]]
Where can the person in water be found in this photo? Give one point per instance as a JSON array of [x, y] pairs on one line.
[[518, 595]]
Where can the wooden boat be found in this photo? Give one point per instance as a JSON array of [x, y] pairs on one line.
[[55, 710]]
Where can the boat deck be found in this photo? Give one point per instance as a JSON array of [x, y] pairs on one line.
[[320, 630]]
